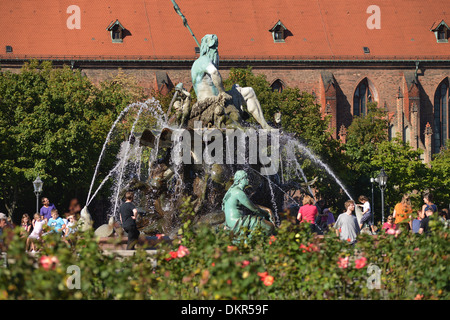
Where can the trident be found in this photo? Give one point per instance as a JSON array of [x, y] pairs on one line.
[[185, 23]]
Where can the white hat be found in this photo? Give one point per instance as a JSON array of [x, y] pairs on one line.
[[2, 216]]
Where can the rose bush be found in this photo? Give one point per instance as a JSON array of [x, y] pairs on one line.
[[206, 263]]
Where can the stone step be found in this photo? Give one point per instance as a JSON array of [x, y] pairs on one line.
[[128, 253]]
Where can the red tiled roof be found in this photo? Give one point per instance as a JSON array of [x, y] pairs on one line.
[[320, 29]]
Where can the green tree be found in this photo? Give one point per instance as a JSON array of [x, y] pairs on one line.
[[404, 167], [300, 116], [363, 137], [439, 181], [53, 123]]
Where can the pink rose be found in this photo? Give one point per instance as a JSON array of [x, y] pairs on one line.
[[245, 263], [49, 262], [182, 251], [343, 262]]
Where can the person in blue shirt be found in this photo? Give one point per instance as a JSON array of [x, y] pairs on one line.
[[56, 223], [415, 224], [46, 209]]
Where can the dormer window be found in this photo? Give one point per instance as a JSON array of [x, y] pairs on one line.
[[441, 31], [116, 30], [279, 32]]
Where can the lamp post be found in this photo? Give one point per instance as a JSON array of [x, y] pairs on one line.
[[37, 184], [372, 180], [382, 181]]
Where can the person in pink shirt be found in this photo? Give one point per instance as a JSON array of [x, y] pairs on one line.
[[307, 212], [389, 225]]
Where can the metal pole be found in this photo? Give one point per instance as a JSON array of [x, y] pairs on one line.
[[382, 206], [373, 213], [37, 202]]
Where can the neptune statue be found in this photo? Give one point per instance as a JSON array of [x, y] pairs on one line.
[[207, 82]]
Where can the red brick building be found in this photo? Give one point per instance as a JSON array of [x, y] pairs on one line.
[[345, 52]]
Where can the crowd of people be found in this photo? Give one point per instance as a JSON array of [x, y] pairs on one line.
[[44, 222], [316, 213], [48, 221], [348, 226]]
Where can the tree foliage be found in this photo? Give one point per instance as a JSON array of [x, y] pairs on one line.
[[406, 171], [301, 117], [364, 135], [53, 123], [439, 178]]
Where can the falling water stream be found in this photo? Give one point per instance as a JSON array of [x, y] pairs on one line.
[[130, 161], [151, 105]]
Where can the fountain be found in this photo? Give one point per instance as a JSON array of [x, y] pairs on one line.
[[196, 151]]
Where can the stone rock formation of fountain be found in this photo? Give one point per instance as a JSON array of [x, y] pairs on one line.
[[197, 134]]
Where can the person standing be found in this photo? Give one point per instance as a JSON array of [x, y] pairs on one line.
[[128, 215], [403, 211], [25, 225], [5, 237], [367, 213], [429, 205], [329, 217], [308, 212], [46, 210], [35, 235], [346, 225]]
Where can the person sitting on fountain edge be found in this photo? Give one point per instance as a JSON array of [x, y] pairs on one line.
[[234, 202]]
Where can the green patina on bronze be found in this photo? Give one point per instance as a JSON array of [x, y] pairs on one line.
[[233, 205]]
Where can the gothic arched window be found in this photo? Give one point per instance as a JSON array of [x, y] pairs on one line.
[[362, 96], [277, 85], [441, 116]]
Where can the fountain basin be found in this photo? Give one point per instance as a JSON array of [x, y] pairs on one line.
[[120, 243]]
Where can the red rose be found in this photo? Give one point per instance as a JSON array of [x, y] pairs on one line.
[[360, 263]]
